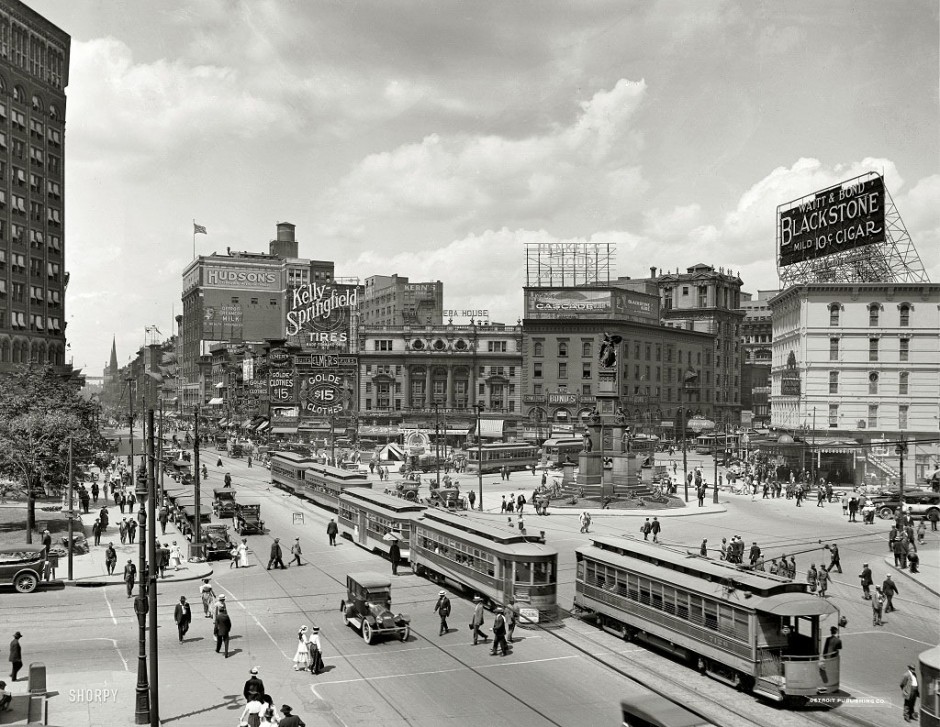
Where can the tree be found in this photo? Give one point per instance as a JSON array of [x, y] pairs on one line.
[[40, 412]]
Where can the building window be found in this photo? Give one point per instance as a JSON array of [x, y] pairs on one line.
[[562, 370], [903, 378], [537, 389], [834, 309], [873, 311], [383, 345], [872, 349], [902, 416], [537, 370], [904, 350], [585, 389], [872, 416], [833, 415], [833, 382], [562, 349], [585, 349], [496, 346], [234, 301], [537, 349], [873, 382], [585, 371], [905, 315]]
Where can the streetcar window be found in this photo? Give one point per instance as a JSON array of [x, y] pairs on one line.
[[540, 572], [682, 606], [657, 594], [669, 600], [633, 588], [523, 572], [711, 615], [695, 609]]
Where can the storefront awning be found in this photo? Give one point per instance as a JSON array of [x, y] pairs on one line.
[[216, 401], [492, 428], [284, 430], [457, 432], [263, 426]]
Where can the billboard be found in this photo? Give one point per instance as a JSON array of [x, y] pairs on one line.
[[281, 386], [844, 217], [241, 277], [568, 303], [320, 315], [222, 323], [630, 305], [326, 392]]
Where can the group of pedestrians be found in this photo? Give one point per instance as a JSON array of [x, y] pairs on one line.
[[502, 627], [259, 710], [309, 653]]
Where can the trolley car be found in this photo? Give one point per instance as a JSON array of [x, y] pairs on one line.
[[515, 456], [930, 687], [287, 470], [367, 517], [323, 484], [559, 451], [752, 630], [494, 562]]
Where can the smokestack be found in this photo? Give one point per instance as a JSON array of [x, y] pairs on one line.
[[652, 272]]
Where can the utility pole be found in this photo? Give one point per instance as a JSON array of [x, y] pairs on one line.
[[71, 510], [197, 487], [160, 464], [479, 407], [152, 558], [437, 442], [142, 714]]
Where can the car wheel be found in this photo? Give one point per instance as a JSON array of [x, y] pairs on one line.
[[886, 513], [406, 632], [26, 582], [366, 632]]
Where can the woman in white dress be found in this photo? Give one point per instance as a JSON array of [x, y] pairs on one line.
[[243, 553], [302, 655], [208, 596], [251, 715], [176, 556]]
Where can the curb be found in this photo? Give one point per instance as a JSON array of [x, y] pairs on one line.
[[82, 583], [889, 561]]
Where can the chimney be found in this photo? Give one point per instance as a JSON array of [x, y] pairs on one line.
[[652, 272], [285, 246]]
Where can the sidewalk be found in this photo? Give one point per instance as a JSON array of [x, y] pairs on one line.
[[89, 570], [928, 574]]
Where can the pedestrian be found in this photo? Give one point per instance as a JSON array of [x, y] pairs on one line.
[[585, 519], [302, 654], [934, 516], [183, 616], [110, 559], [845, 504], [520, 503], [512, 616], [853, 509], [922, 530], [103, 517], [867, 582], [295, 553], [94, 492], [217, 606], [176, 556], [275, 558], [289, 719], [223, 629], [499, 633], [254, 687], [645, 528], [122, 530], [754, 554], [164, 518], [833, 643], [394, 555], [251, 714], [700, 494], [130, 575], [910, 690], [227, 479], [510, 503], [207, 594], [249, 461], [6, 698], [243, 554], [331, 530], [131, 531], [442, 609], [823, 577], [471, 498], [913, 559], [16, 656], [96, 531], [703, 550], [655, 527], [163, 558], [834, 557], [724, 549], [119, 500], [316, 651], [476, 621], [890, 590], [130, 501], [219, 463], [812, 578], [46, 543], [502, 506]]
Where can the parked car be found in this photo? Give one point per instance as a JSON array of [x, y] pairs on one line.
[[920, 502], [223, 503], [248, 519], [368, 607], [22, 567], [217, 541]]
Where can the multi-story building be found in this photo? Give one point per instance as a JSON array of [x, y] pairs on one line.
[[859, 362], [34, 65], [756, 339], [407, 375], [390, 300], [563, 332]]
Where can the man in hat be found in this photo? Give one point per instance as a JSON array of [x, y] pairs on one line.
[[183, 616], [295, 553], [223, 629], [130, 575], [16, 655], [890, 590], [910, 690], [217, 606], [477, 620], [499, 633], [394, 555], [290, 720], [332, 530], [276, 557], [254, 687], [227, 479], [867, 582], [442, 608], [833, 642]]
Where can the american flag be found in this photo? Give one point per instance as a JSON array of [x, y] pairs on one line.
[[199, 229]]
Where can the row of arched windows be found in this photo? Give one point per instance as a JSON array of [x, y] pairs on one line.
[[36, 102], [20, 350]]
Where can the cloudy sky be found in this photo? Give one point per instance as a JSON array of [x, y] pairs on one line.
[[433, 139]]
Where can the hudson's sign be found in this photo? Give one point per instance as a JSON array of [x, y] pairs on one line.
[[240, 277]]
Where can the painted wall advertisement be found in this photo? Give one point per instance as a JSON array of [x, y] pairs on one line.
[[281, 386], [320, 316], [222, 323], [833, 220], [568, 303], [326, 392]]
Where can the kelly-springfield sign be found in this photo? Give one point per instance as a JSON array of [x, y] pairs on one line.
[[833, 220], [321, 314]]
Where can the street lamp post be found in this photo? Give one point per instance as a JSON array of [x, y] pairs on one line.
[[687, 378], [901, 450], [437, 442], [71, 508], [152, 571], [480, 406], [715, 492], [142, 712]]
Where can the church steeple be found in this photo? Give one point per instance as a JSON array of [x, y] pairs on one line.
[[113, 364]]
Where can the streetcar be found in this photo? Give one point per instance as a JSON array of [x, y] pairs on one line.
[[288, 468], [514, 455], [491, 561], [558, 451], [930, 687], [643, 708], [752, 630], [323, 484], [371, 519]]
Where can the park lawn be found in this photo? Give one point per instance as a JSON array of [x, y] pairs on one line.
[[13, 524]]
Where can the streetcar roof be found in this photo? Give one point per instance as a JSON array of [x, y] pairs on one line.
[[365, 495], [795, 604], [931, 657], [689, 569], [485, 535], [563, 440]]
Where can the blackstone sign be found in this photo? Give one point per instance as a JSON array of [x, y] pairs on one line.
[[833, 220], [322, 313]]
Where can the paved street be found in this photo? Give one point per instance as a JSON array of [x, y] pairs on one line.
[[567, 676]]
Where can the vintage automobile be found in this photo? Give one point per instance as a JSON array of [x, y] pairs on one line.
[[448, 498], [920, 503], [217, 541], [368, 607], [248, 519], [223, 503], [22, 567], [407, 489]]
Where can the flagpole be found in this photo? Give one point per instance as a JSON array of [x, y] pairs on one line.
[[194, 238]]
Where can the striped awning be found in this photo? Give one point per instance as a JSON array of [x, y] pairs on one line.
[[492, 428], [284, 430]]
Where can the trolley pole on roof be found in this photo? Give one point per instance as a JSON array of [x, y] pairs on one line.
[[479, 406]]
